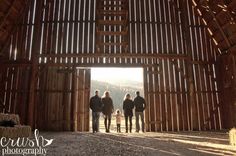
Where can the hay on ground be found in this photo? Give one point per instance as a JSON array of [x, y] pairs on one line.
[[232, 137]]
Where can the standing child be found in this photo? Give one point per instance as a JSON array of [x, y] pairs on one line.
[[118, 120]]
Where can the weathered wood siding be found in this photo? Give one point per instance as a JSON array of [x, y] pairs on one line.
[[168, 38]]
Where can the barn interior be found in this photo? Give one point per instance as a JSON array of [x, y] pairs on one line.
[[186, 48]]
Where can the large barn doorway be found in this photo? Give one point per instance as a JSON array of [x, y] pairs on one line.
[[64, 92], [118, 81]]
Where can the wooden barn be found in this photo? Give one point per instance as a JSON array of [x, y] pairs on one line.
[[186, 48]]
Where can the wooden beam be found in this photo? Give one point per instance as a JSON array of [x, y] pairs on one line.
[[112, 22], [230, 38], [113, 33], [111, 12], [190, 80], [232, 49], [89, 65], [114, 0], [230, 9], [21, 13], [7, 13], [7, 1], [218, 25], [113, 44], [34, 68], [125, 55]]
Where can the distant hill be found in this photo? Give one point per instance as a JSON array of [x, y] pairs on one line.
[[117, 90]]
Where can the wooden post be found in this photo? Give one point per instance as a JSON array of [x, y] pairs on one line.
[[87, 82], [73, 99], [187, 43], [147, 110], [234, 86], [34, 68]]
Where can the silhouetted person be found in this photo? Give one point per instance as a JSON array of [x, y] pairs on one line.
[[140, 106], [118, 120], [108, 109], [96, 107], [128, 106]]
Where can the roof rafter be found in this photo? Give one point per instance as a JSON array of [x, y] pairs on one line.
[[7, 13]]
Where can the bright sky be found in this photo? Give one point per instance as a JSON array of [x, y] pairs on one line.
[[114, 74]]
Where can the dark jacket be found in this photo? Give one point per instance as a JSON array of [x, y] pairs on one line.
[[139, 104], [128, 106], [96, 104], [107, 106]]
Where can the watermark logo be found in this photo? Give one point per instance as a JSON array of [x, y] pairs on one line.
[[25, 146]]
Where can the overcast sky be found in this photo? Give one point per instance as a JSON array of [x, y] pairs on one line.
[[117, 74]]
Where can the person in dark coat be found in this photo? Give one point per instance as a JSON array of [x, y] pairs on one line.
[[140, 105], [96, 107], [128, 106], [108, 109]]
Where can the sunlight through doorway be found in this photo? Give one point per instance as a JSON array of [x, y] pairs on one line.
[[118, 81]]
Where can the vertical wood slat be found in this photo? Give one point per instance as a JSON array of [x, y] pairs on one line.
[[80, 101], [151, 99], [7, 94], [86, 96], [187, 37], [147, 110], [83, 79], [73, 100], [34, 67], [14, 89], [172, 98], [156, 97], [56, 14], [51, 26]]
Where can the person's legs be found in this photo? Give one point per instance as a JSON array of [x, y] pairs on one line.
[[93, 121], [142, 120], [96, 121], [130, 123], [137, 121], [109, 123], [105, 121], [126, 123], [98, 117], [117, 127]]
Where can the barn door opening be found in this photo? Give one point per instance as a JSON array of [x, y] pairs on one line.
[[118, 81]]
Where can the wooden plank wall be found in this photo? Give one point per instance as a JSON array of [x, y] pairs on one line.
[[157, 42], [15, 67], [55, 99], [204, 59], [167, 85], [227, 65], [14, 83]]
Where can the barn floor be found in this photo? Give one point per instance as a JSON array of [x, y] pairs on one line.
[[146, 144]]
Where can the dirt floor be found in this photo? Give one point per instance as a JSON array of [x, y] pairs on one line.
[[138, 144]]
